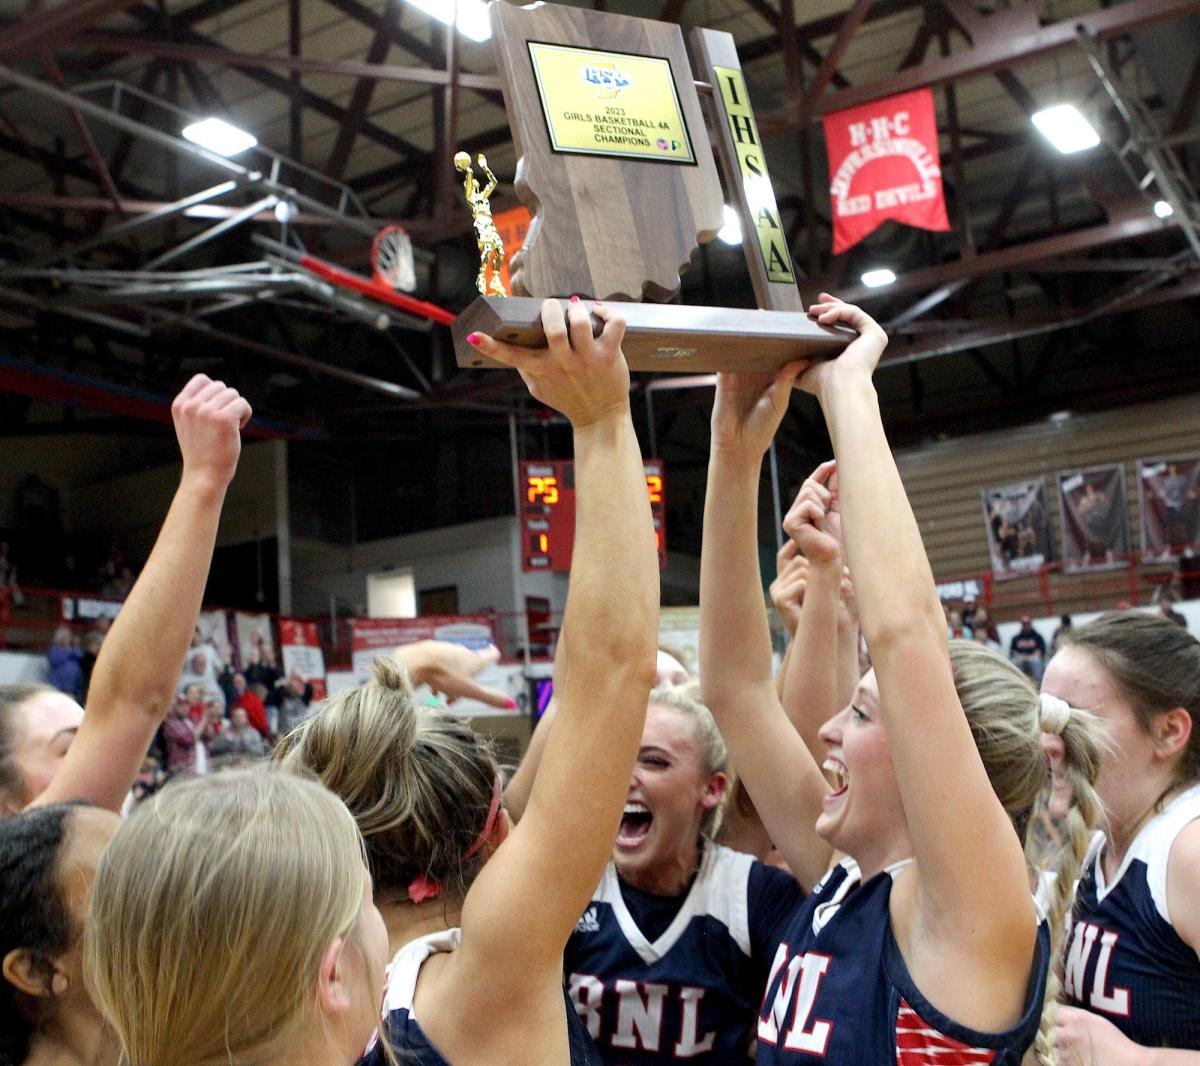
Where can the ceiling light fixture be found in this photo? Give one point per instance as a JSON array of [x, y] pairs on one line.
[[1163, 209], [219, 136], [1065, 127], [876, 279], [472, 16]]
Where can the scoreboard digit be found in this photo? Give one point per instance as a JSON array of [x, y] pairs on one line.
[[548, 513], [656, 487]]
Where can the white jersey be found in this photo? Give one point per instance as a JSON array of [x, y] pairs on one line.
[[413, 1047], [684, 987]]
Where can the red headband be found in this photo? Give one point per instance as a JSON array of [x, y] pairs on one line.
[[421, 887]]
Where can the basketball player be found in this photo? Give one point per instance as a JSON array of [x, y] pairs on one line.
[[477, 929], [669, 960], [1131, 973], [48, 859], [924, 940], [50, 751], [231, 921], [670, 957]]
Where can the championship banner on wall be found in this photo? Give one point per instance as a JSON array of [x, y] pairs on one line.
[[372, 637], [1095, 518], [1018, 528], [884, 164], [1170, 505], [300, 644]]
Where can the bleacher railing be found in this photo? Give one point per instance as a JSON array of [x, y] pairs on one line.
[[28, 624]]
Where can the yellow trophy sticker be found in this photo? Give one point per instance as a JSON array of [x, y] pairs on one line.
[[610, 103], [768, 226]]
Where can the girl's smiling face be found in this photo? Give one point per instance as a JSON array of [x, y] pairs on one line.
[[863, 816], [670, 791]]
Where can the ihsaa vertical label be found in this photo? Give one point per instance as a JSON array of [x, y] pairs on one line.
[[756, 182]]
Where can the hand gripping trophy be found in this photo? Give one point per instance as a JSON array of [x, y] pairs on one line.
[[491, 247], [617, 170]]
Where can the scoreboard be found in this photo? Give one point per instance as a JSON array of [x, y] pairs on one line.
[[548, 513]]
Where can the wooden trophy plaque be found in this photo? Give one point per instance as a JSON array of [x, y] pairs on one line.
[[615, 166]]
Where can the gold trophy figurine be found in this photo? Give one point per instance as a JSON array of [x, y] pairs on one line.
[[491, 247]]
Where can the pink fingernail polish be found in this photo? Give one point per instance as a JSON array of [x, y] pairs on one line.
[[472, 338], [511, 704], [574, 299]]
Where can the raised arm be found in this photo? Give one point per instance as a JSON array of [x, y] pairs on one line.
[[848, 667], [787, 596], [449, 670], [954, 818], [557, 852], [809, 692], [516, 794], [135, 675], [735, 648], [491, 183], [824, 483]]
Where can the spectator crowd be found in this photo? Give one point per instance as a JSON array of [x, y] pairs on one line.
[[902, 846]]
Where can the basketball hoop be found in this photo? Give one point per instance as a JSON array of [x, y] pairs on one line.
[[392, 258]]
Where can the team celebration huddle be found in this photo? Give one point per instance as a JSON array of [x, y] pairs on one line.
[[890, 849]]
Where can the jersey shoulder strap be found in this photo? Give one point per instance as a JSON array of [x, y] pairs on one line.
[[1153, 844], [407, 963]]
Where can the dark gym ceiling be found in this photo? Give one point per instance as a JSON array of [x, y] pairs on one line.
[[127, 263]]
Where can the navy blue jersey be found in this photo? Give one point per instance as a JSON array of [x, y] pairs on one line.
[[413, 1047], [691, 993], [1125, 960], [840, 992]]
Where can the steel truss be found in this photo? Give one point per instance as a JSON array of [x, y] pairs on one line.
[[137, 303]]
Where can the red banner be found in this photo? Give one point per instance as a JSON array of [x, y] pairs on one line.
[[883, 164]]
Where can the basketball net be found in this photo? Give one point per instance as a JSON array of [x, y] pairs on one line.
[[392, 259]]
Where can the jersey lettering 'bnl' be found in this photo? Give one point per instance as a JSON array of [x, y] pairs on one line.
[[811, 968], [1083, 940], [684, 985], [840, 993], [641, 1006]]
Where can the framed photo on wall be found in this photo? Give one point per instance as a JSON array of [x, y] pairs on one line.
[[1017, 521]]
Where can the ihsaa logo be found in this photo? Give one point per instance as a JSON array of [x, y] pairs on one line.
[[608, 79]]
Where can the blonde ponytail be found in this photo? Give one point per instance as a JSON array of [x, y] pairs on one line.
[[1081, 764], [1007, 718], [420, 783]]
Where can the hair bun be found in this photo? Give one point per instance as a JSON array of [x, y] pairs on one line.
[[390, 674], [1055, 714]]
